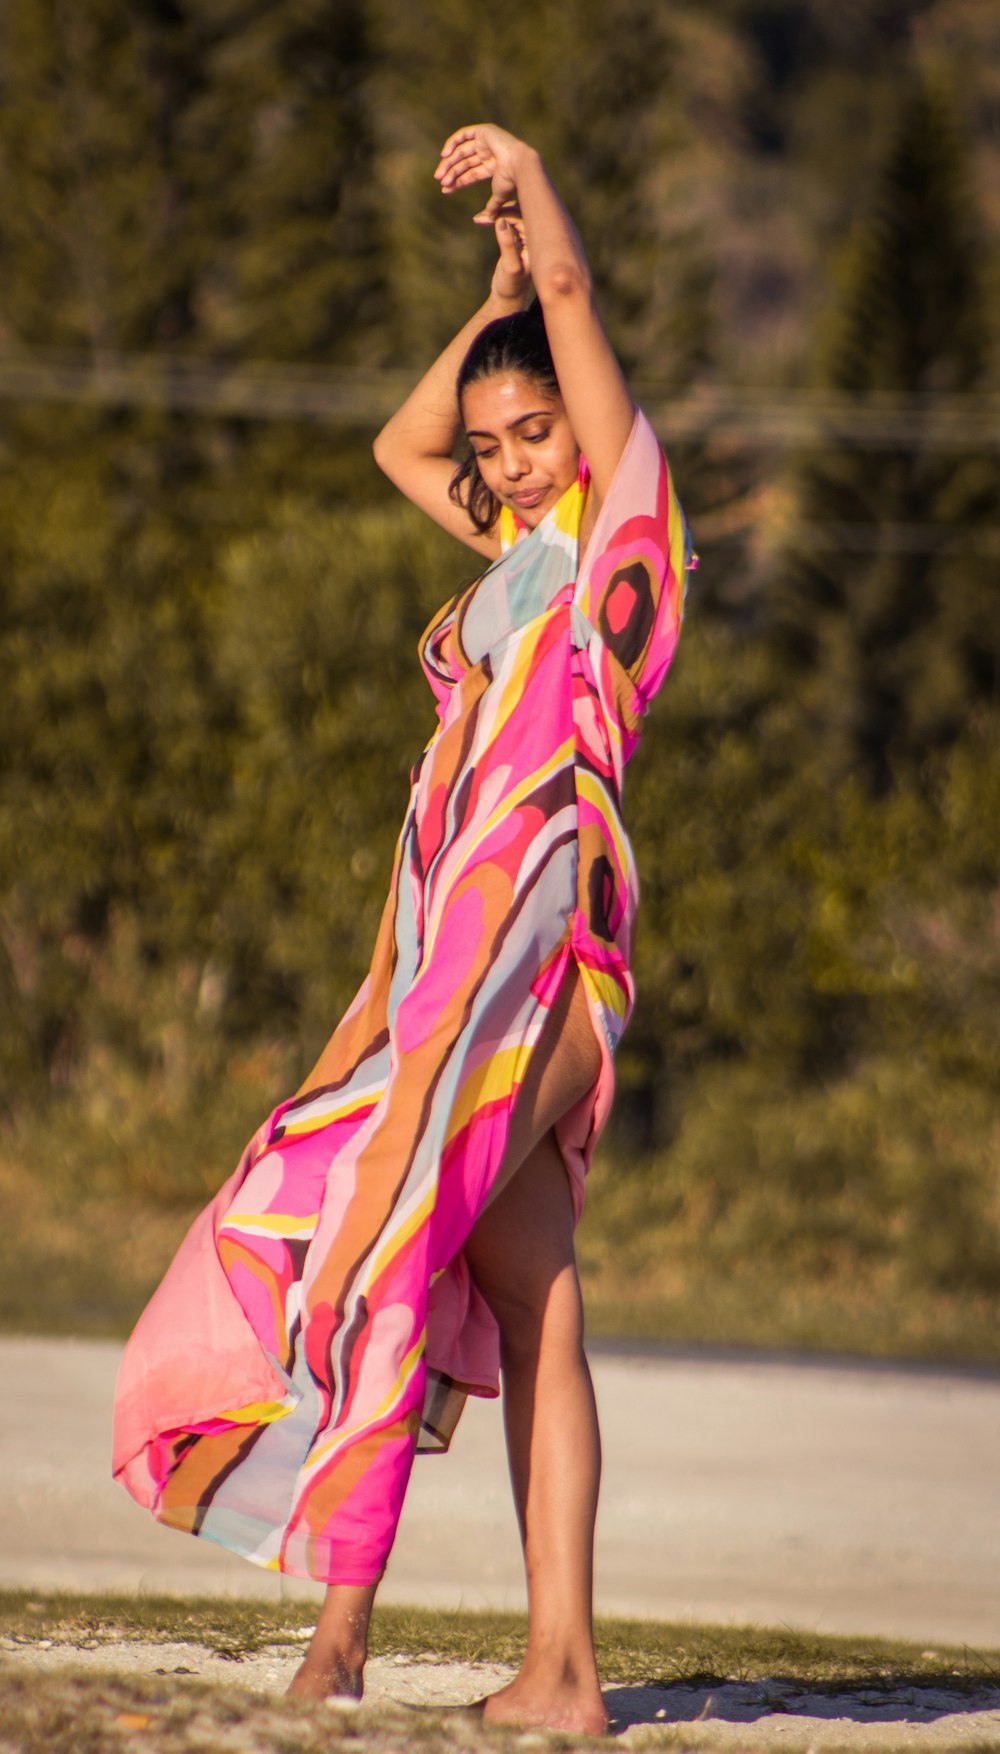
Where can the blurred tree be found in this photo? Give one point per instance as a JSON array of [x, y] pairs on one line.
[[95, 249], [111, 744], [619, 101], [961, 38], [316, 638], [633, 109], [212, 696], [278, 145], [887, 593], [107, 736]]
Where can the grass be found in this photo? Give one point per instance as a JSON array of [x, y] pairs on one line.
[[630, 1652], [82, 1714], [62, 1709]]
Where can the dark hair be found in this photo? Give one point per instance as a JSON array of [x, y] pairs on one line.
[[517, 343]]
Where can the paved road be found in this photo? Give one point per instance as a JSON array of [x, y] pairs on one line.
[[832, 1497]]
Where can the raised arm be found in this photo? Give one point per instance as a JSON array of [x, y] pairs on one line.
[[596, 396], [415, 447]]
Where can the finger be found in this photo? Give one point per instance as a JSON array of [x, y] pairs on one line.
[[458, 155], [464, 179], [459, 176], [509, 242], [456, 139], [461, 155], [446, 174]]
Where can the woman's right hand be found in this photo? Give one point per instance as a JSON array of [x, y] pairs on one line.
[[601, 411], [512, 274], [483, 153]]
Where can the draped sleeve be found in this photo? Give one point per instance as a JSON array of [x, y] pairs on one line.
[[632, 579]]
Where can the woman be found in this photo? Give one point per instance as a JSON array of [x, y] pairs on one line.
[[404, 1224]]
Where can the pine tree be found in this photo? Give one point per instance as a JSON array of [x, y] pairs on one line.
[[886, 595]]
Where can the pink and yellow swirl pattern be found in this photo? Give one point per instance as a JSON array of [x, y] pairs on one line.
[[319, 1321]]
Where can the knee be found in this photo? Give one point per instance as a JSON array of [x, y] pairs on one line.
[[529, 1315], [519, 1313]]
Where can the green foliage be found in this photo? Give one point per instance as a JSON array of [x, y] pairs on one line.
[[92, 247], [316, 639], [276, 138], [886, 593], [107, 726], [208, 627], [638, 193]]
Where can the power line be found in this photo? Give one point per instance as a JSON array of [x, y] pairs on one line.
[[364, 398], [877, 538], [902, 538], [789, 418]]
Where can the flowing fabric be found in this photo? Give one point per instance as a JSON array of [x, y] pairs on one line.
[[319, 1321]]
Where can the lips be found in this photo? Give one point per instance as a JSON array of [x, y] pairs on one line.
[[529, 498]]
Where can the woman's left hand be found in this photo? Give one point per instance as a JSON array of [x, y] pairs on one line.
[[512, 274], [477, 155]]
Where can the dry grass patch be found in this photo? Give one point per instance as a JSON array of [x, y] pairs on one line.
[[630, 1652]]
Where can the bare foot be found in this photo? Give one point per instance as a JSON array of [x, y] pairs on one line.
[[330, 1677], [334, 1664], [564, 1705]]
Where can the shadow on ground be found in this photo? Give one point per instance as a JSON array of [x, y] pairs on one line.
[[751, 1701]]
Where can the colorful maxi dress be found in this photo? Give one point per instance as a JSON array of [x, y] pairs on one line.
[[319, 1322]]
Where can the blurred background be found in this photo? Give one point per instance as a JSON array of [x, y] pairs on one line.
[[223, 260]]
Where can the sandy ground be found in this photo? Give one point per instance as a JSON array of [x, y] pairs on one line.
[[834, 1498], [753, 1715]]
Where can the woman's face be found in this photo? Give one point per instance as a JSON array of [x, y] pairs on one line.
[[526, 453]]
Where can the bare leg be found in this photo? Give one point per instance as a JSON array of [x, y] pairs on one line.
[[335, 1661], [521, 1253]]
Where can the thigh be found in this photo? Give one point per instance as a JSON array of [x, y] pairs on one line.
[[522, 1243], [565, 1065]]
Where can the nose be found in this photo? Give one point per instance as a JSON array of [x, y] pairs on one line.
[[514, 462]]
